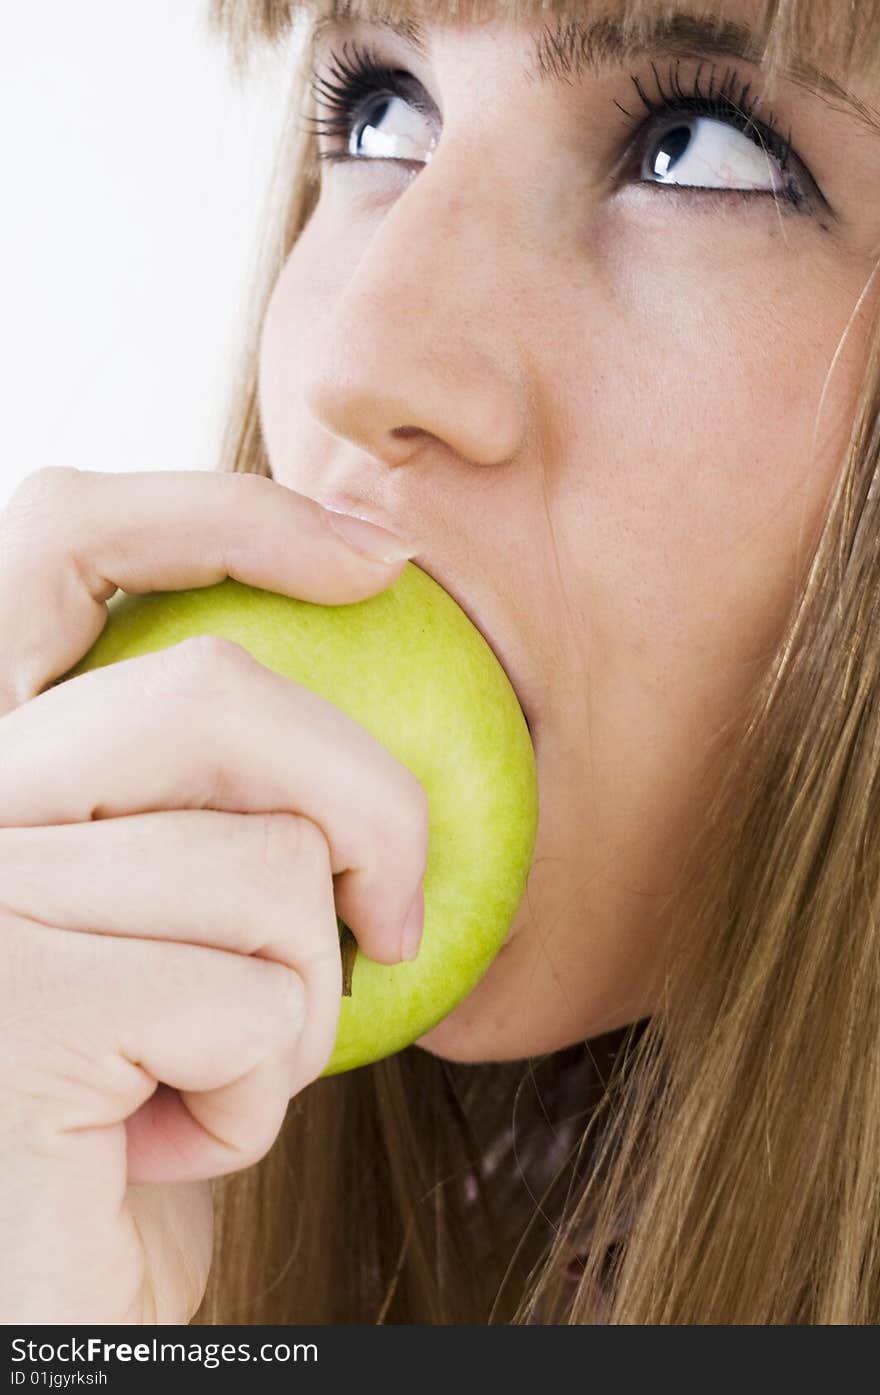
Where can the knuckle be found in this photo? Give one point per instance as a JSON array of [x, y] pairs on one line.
[[285, 1008], [209, 662], [46, 482], [259, 1140], [291, 841], [264, 1130], [239, 491], [197, 683], [36, 502], [212, 652]]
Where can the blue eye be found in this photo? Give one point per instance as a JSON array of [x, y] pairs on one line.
[[403, 138], [359, 101], [702, 153], [692, 139], [713, 139]]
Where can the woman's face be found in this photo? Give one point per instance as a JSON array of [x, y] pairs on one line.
[[593, 402]]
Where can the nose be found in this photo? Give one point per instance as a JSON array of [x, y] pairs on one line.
[[418, 345]]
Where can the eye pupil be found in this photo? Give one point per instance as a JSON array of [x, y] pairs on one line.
[[676, 143], [378, 110], [373, 115]]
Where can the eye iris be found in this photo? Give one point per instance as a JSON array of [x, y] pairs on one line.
[[676, 143], [373, 115]]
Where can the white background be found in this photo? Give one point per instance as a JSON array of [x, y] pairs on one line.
[[134, 166]]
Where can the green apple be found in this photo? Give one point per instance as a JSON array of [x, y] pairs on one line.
[[411, 668]]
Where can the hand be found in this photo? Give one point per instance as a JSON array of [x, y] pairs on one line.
[[170, 830]]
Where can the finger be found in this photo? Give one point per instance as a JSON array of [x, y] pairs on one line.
[[110, 1018], [250, 883], [71, 538], [152, 733]]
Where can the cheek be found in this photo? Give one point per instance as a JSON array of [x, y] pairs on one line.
[[756, 454], [692, 463], [281, 352], [691, 494], [288, 342]]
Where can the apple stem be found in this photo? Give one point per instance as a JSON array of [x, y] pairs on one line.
[[348, 949]]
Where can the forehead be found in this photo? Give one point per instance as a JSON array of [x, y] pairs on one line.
[[757, 13], [840, 40], [421, 13], [836, 38]]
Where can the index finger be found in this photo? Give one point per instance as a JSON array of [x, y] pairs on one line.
[[204, 725], [70, 538]]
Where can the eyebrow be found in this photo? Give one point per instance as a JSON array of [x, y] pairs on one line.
[[575, 47]]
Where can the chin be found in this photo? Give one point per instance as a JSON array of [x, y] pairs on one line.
[[472, 1031], [448, 1043], [467, 1037], [483, 1028]]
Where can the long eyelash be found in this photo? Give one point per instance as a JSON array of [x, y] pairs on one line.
[[730, 100], [364, 75], [361, 76]]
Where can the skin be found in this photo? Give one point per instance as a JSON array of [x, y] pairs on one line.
[[626, 513], [593, 406]]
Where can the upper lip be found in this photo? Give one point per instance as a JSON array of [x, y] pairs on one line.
[[346, 504]]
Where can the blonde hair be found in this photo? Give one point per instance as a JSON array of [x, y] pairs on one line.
[[738, 1129]]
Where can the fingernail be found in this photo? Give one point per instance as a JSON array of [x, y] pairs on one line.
[[413, 926], [367, 538]]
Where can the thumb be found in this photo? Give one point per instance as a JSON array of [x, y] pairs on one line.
[[368, 539]]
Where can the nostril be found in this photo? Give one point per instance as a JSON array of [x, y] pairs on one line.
[[405, 433]]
